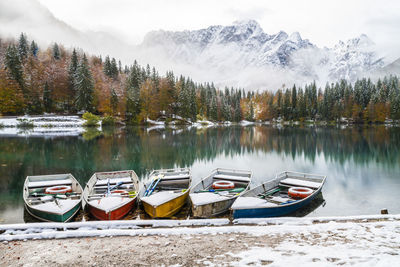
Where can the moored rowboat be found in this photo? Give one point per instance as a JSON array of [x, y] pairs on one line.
[[55, 198], [111, 195], [286, 193], [216, 193], [166, 192]]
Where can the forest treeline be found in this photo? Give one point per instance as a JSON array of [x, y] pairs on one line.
[[35, 80]]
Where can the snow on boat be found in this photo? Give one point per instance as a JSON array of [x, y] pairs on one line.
[[216, 193], [52, 198], [166, 192], [111, 195], [286, 193]]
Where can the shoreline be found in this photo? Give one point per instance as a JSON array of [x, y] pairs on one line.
[[325, 241]]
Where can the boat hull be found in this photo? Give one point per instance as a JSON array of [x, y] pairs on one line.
[[115, 214], [166, 209], [211, 209], [53, 217], [272, 211]]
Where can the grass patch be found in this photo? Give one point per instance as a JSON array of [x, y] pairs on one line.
[[108, 121], [24, 123], [91, 120]]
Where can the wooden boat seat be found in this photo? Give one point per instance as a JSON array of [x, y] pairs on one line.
[[297, 182], [114, 181], [175, 177], [232, 177], [49, 183]]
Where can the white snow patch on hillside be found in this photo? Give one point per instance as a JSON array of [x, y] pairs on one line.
[[42, 125]]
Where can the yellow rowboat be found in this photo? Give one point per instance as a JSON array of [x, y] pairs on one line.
[[166, 192]]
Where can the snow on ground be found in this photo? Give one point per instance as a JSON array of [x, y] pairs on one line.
[[42, 126], [246, 123], [177, 227], [152, 122], [350, 241]]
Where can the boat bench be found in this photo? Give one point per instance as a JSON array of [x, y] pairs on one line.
[[175, 177], [232, 177], [114, 181], [49, 183], [302, 183]]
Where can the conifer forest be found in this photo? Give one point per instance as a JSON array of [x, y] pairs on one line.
[[37, 80]]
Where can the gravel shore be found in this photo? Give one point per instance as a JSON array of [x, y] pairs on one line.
[[359, 243]]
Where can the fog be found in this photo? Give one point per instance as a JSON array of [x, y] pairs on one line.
[[226, 68]]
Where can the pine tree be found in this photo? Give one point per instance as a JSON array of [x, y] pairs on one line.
[[113, 101], [34, 49], [192, 102], [214, 109], [114, 69], [294, 103], [238, 110], [287, 105], [107, 67], [56, 52], [14, 66], [72, 69], [22, 47], [47, 100], [133, 95], [84, 86]]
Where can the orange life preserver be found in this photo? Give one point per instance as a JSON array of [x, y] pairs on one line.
[[223, 185], [58, 189], [299, 192]]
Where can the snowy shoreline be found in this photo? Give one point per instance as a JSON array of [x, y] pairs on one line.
[[73, 125], [26, 231], [46, 125], [325, 241]]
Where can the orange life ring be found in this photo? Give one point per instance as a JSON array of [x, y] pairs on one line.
[[223, 185], [121, 192], [59, 189], [299, 192]]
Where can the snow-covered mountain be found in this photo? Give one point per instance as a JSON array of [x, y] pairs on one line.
[[242, 54]]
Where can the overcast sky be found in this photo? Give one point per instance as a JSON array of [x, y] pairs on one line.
[[323, 22]]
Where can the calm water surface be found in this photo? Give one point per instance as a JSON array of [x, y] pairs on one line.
[[362, 164]]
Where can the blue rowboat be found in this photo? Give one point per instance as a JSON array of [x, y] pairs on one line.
[[271, 199]]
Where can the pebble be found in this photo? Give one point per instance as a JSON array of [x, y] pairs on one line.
[[5, 242], [231, 239]]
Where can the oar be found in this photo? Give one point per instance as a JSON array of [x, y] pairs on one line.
[[154, 187], [148, 188], [116, 186], [268, 193]]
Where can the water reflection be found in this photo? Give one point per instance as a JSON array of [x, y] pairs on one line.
[[354, 159]]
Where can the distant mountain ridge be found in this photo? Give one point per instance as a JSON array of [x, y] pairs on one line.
[[245, 45], [240, 55]]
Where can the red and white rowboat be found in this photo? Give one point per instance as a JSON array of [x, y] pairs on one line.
[[111, 195]]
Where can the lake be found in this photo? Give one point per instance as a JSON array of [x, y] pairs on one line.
[[362, 164]]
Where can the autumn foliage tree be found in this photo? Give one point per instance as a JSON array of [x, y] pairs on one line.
[[34, 79]]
